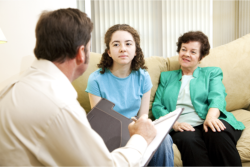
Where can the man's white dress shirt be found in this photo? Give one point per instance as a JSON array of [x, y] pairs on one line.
[[42, 123]]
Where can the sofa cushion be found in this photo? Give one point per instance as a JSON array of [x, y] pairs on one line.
[[174, 63], [155, 65], [233, 58], [244, 141], [80, 83], [177, 156]]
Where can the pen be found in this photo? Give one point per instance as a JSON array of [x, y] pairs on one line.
[[134, 119]]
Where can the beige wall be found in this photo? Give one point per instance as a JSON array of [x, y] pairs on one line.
[[18, 20], [244, 17], [159, 23], [231, 20], [224, 21]]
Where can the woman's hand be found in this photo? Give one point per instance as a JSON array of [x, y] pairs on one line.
[[214, 124], [212, 121], [182, 126]]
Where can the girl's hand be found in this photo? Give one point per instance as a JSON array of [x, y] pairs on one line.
[[214, 123], [182, 126]]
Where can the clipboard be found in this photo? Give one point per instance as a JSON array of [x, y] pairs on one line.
[[163, 125], [109, 124], [113, 127]]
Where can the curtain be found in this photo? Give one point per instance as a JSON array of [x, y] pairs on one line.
[[159, 23]]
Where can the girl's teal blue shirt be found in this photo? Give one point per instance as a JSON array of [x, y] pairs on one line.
[[206, 91]]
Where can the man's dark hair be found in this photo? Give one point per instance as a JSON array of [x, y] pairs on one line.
[[60, 33], [195, 36]]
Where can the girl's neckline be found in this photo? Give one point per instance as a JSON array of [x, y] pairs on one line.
[[117, 76]]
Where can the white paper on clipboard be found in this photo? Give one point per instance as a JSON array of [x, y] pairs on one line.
[[163, 126]]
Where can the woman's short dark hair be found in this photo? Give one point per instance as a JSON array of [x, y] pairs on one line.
[[60, 33], [107, 62], [195, 36]]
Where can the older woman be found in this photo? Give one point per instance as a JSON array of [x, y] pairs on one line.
[[205, 133]]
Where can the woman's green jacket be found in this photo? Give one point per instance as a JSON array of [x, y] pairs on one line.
[[206, 91]]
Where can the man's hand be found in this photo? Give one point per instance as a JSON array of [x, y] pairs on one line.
[[144, 127], [182, 126]]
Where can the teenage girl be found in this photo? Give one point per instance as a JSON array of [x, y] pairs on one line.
[[122, 79]]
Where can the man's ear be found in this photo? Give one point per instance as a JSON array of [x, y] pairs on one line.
[[80, 55]]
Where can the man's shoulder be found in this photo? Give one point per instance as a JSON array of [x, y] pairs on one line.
[[39, 97], [30, 104], [59, 91]]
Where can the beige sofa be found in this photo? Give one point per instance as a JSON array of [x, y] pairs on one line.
[[234, 60]]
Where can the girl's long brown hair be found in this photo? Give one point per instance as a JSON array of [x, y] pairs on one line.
[[107, 62]]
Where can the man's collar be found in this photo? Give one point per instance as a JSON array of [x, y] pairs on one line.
[[54, 72]]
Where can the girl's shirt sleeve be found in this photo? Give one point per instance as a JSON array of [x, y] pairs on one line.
[[147, 83], [93, 85]]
